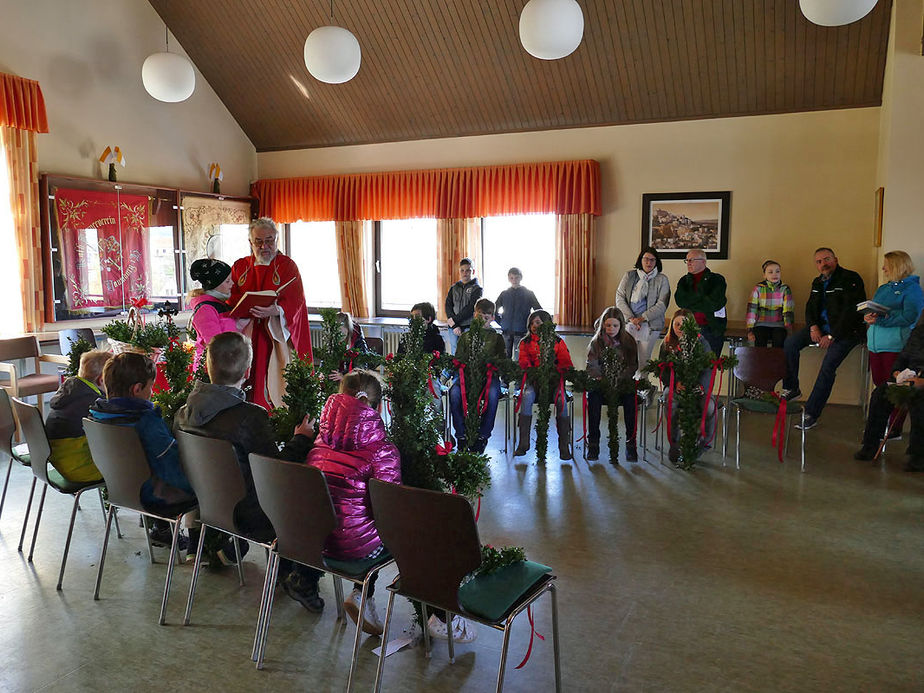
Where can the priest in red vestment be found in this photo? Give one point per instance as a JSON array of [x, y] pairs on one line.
[[278, 329]]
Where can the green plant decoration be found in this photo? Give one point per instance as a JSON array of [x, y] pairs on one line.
[[78, 349], [306, 393], [493, 559], [177, 367], [544, 379]]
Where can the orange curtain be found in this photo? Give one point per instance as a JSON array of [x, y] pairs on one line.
[[574, 269], [351, 262], [22, 105], [22, 164], [564, 187], [455, 239]]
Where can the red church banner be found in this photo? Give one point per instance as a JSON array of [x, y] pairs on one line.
[[103, 247]]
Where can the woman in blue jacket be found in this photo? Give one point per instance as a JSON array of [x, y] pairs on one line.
[[887, 334]]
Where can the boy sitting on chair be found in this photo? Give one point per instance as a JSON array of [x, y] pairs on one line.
[[70, 453], [129, 379]]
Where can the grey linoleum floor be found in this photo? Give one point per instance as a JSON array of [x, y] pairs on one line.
[[763, 579]]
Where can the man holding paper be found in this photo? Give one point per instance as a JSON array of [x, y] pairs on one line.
[[278, 327], [702, 291]]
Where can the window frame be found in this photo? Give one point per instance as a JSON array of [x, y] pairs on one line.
[[286, 233]]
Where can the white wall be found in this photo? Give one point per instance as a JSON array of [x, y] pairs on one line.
[[87, 56]]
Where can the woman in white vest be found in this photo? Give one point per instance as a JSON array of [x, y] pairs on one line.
[[643, 297]]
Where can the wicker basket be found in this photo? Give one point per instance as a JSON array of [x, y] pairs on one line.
[[117, 347]]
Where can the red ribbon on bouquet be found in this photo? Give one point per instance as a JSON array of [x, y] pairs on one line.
[[561, 391], [532, 632], [460, 367], [483, 397], [778, 438], [445, 448]]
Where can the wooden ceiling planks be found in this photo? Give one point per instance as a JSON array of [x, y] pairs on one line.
[[456, 67]]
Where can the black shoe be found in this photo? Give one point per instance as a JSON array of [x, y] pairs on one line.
[[593, 452], [480, 445], [865, 454], [306, 595], [631, 453], [790, 394], [228, 556], [162, 536], [809, 424], [674, 454]]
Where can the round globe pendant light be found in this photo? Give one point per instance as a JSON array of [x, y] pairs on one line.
[[551, 29], [835, 12], [332, 54], [168, 77]]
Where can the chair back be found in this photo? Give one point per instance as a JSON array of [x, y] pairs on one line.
[[297, 502], [212, 468], [18, 348], [120, 458], [760, 367], [7, 423], [33, 430], [67, 338], [432, 536], [376, 345]]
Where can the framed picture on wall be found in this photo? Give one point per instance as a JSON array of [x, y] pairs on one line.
[[674, 223]]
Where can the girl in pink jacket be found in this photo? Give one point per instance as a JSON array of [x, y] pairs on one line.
[[351, 448], [210, 303]]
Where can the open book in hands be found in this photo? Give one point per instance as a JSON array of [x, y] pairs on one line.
[[256, 298], [872, 307]]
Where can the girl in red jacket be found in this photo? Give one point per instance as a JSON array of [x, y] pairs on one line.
[[351, 448], [529, 358]]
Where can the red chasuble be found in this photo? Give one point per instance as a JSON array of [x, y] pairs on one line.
[[248, 276]]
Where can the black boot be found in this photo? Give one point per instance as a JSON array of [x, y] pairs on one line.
[[564, 437], [593, 450], [631, 451], [865, 453], [525, 425]]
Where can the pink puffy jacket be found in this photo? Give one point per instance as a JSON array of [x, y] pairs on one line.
[[350, 449], [208, 322]]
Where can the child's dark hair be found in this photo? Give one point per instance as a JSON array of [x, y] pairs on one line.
[[484, 305], [465, 261], [650, 251], [228, 358], [362, 385], [766, 264], [541, 314], [124, 371], [614, 313], [427, 311], [516, 271]]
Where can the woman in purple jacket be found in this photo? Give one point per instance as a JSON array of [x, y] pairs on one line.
[[351, 448]]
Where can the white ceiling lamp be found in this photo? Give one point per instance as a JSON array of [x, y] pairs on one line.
[[167, 76], [332, 54], [551, 29], [835, 12]]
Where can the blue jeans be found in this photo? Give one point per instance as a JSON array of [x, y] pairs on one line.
[[452, 340], [834, 356], [458, 416], [528, 399]]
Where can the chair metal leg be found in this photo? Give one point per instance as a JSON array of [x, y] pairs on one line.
[[240, 560], [503, 659], [269, 611], [338, 596], [381, 667], [102, 505], [115, 516], [170, 563], [725, 431], [425, 630], [553, 593], [452, 646], [147, 535], [737, 439], [102, 553], [6, 483], [264, 598], [359, 630], [195, 576], [70, 532], [25, 519], [38, 520], [803, 439]]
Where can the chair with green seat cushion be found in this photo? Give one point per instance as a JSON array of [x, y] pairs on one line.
[[19, 453], [434, 539], [297, 501], [762, 368], [33, 430]]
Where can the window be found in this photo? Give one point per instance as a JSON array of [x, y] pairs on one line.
[[526, 241], [406, 265], [11, 319], [313, 247]]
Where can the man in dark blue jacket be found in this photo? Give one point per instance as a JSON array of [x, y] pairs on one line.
[[513, 306]]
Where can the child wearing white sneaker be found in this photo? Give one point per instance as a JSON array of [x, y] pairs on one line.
[[351, 448]]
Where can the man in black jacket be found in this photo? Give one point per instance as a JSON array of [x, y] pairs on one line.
[[880, 408], [832, 323], [460, 303]]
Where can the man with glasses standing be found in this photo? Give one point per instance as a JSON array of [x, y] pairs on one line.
[[277, 329], [703, 291]]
